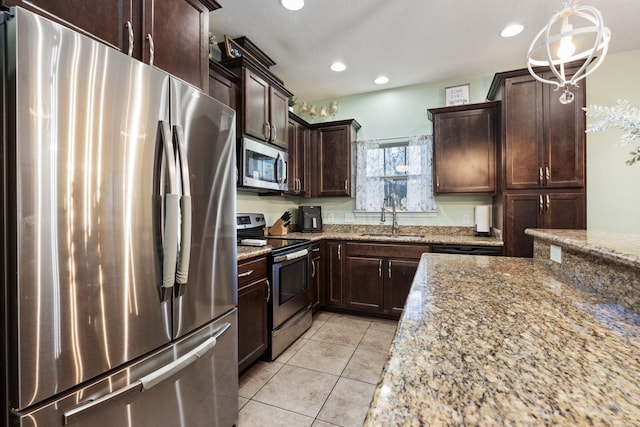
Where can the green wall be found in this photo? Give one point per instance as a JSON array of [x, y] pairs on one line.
[[613, 188], [613, 199]]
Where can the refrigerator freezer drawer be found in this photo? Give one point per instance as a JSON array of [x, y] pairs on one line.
[[193, 382]]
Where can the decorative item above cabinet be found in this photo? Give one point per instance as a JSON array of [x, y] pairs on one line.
[[464, 151]]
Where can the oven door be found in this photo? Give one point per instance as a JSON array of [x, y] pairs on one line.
[[263, 166], [290, 280]]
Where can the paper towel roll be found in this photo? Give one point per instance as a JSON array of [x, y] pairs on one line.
[[482, 215]]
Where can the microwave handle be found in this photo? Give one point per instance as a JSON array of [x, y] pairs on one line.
[[281, 172]]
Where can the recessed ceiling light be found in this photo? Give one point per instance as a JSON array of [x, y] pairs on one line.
[[381, 80], [292, 4], [512, 30], [338, 66]]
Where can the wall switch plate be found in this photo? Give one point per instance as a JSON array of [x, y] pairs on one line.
[[331, 218], [349, 217], [555, 253]]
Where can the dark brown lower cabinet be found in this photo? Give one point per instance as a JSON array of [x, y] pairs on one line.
[[332, 290], [540, 209], [253, 295], [315, 275], [377, 277]]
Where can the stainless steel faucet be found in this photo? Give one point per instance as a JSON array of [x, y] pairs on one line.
[[394, 225]]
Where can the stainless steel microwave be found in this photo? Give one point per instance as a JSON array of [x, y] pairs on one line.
[[263, 166]]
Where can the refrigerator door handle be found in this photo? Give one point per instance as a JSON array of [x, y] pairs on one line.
[[182, 275], [156, 377], [172, 211], [148, 381]]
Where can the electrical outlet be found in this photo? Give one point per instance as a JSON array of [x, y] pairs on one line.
[[331, 218], [555, 253], [349, 217], [466, 220]]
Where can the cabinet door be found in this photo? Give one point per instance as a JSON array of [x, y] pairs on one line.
[[522, 211], [279, 117], [564, 159], [565, 210], [333, 161], [523, 132], [180, 37], [400, 274], [315, 279], [296, 147], [102, 20], [221, 86], [333, 274], [256, 103], [252, 322], [364, 283], [464, 151]]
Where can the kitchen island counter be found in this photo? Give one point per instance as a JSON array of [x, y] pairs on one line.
[[500, 341]]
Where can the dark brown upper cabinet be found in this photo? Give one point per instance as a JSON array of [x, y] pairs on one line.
[[465, 139], [176, 30], [543, 139], [333, 167]]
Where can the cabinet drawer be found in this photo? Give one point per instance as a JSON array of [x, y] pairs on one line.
[[251, 270], [386, 250]]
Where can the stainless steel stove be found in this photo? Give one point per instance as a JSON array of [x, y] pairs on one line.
[[288, 269]]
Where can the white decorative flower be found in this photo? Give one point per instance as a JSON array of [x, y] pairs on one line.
[[623, 117]]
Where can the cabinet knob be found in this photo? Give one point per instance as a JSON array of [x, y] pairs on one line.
[[547, 175], [151, 48], [268, 290], [272, 133], [389, 269], [339, 250], [548, 204], [266, 131], [540, 204], [380, 268], [346, 185], [540, 176], [246, 273], [129, 28], [313, 268]]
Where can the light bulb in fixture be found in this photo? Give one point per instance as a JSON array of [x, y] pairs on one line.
[[292, 4], [381, 80], [567, 48]]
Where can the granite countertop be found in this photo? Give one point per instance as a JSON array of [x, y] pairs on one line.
[[499, 341], [382, 234], [617, 247]]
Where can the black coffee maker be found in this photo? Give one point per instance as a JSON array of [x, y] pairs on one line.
[[310, 219]]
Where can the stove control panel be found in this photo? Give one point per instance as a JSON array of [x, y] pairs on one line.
[[249, 220]]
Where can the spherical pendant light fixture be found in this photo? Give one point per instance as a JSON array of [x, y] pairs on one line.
[[575, 34]]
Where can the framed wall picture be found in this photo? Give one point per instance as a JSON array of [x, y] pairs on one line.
[[456, 95]]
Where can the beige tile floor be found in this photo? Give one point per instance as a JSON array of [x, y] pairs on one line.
[[326, 378]]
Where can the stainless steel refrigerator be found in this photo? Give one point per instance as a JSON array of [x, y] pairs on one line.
[[118, 238]]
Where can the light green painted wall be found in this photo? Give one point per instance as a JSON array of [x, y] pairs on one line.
[[613, 196]]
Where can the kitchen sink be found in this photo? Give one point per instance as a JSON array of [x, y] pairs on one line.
[[405, 236]]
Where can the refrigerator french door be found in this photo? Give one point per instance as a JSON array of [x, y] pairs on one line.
[[118, 237]]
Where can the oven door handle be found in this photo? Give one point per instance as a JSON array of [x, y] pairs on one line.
[[293, 255]]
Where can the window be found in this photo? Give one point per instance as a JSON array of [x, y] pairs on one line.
[[401, 167]]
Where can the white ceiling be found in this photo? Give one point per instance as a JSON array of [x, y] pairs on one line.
[[410, 41]]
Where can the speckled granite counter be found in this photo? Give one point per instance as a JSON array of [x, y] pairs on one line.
[[604, 262], [500, 341], [620, 248], [406, 234]]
